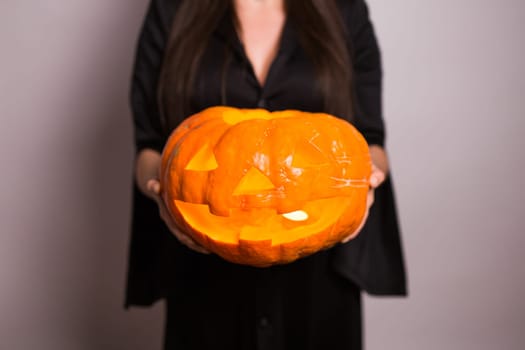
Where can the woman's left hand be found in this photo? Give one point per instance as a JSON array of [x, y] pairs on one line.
[[377, 177]]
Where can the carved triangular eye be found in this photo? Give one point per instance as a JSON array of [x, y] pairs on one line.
[[203, 160], [308, 155], [253, 182]]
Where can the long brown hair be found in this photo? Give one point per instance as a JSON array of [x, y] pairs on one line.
[[317, 22]]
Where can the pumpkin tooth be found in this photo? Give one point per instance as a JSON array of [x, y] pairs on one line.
[[297, 215]]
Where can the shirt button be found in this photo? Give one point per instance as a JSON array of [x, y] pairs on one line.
[[264, 322], [261, 103]]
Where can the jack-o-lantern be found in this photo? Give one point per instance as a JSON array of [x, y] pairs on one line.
[[261, 188]]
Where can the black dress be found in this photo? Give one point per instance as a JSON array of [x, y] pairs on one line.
[[313, 303]]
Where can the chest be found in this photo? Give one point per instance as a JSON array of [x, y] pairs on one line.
[[260, 31], [228, 76]]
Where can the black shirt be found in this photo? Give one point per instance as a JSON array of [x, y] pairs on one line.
[[157, 261]]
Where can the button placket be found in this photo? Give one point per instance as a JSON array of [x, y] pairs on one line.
[[264, 322], [261, 103]]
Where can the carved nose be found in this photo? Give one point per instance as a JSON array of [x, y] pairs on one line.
[[252, 183]]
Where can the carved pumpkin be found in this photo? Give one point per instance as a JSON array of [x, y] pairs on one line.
[[263, 188]]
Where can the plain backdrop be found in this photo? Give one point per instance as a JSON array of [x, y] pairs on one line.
[[455, 111]]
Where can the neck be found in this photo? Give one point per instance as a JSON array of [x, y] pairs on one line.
[[242, 5]]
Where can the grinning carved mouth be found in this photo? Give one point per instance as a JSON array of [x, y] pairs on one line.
[[265, 224], [261, 236]]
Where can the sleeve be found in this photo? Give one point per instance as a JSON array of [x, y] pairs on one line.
[[374, 260], [366, 58], [148, 232], [145, 76]]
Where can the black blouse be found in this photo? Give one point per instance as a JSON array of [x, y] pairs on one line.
[[374, 259]]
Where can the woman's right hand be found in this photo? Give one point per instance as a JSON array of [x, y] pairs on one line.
[[153, 188]]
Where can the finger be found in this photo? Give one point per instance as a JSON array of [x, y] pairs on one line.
[[153, 185], [369, 201], [359, 228], [370, 198], [189, 242], [356, 232], [198, 248], [376, 177], [183, 237], [168, 220]]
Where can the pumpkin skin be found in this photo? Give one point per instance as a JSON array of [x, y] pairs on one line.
[[261, 188]]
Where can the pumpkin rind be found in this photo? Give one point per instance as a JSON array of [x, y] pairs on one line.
[[227, 176]]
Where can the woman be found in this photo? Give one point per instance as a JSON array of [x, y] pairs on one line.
[[311, 55]]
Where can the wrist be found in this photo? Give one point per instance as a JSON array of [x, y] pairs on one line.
[[147, 168], [379, 158]]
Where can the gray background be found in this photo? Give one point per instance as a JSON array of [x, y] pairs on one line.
[[454, 106]]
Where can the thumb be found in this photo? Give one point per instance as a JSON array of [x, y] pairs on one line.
[[153, 185], [377, 177]]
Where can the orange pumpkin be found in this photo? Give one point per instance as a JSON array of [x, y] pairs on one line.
[[261, 188]]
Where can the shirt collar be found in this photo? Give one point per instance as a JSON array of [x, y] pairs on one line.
[[226, 31]]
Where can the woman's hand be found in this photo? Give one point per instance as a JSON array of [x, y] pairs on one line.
[[377, 177], [153, 188], [146, 172]]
